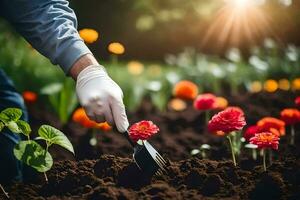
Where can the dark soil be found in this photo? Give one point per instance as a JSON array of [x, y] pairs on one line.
[[111, 174]]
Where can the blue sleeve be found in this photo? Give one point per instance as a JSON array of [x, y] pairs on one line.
[[50, 26]]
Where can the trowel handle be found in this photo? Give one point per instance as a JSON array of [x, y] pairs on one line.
[[126, 134]]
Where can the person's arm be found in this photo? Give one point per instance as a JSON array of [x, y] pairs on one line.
[[50, 26]]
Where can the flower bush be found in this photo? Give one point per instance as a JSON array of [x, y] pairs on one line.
[[185, 90], [271, 124], [142, 130]]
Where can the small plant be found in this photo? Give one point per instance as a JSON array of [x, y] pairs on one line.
[[62, 98], [142, 130], [265, 140], [291, 117], [29, 151], [10, 118], [80, 117], [227, 122], [203, 150]]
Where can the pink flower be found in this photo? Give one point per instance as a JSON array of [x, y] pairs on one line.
[[265, 140], [250, 132], [205, 102], [297, 101], [142, 130], [228, 120]]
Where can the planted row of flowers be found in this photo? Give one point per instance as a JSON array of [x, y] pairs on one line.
[[231, 120]]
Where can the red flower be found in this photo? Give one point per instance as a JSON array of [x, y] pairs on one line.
[[142, 130], [205, 102], [29, 96], [228, 120], [290, 116], [250, 132], [297, 101], [265, 140], [273, 125]]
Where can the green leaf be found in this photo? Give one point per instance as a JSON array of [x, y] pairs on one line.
[[10, 114], [54, 136], [32, 154], [24, 127], [13, 126], [2, 125]]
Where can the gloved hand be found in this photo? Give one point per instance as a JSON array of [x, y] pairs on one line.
[[101, 97]]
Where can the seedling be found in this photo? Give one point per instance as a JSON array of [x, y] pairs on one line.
[[29, 151], [203, 150], [10, 118]]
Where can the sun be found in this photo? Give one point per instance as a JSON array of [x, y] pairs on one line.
[[238, 21]]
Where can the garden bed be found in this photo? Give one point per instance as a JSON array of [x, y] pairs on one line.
[[109, 172]]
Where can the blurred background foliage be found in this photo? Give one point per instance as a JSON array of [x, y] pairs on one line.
[[163, 42]]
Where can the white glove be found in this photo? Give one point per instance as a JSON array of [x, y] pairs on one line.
[[101, 97]]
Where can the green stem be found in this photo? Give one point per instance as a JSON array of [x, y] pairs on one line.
[[232, 151], [264, 160], [292, 135], [207, 115], [46, 177], [4, 192]]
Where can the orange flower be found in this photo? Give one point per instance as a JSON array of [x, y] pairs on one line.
[[271, 85], [265, 140], [273, 125], [80, 117], [296, 84], [205, 101], [29, 96], [290, 116], [88, 35], [104, 126], [185, 90], [116, 48], [177, 104], [221, 103]]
